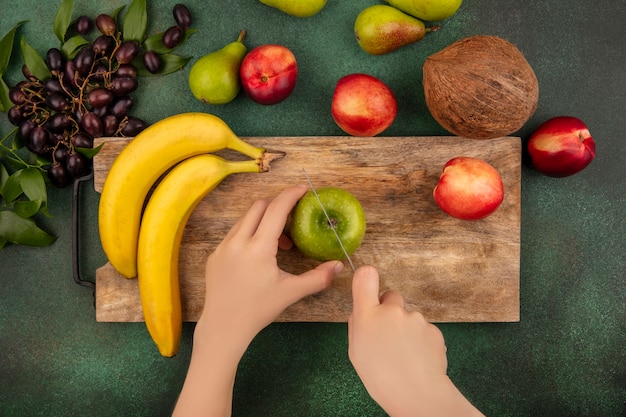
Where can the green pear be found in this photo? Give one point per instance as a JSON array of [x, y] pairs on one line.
[[298, 8], [381, 29], [429, 10], [214, 78]]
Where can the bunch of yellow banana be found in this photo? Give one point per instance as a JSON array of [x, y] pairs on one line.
[[145, 244]]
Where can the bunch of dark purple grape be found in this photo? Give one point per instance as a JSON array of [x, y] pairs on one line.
[[86, 97]]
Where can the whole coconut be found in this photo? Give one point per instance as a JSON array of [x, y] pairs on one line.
[[480, 87]]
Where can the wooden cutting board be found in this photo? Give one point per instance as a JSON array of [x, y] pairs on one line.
[[450, 270]]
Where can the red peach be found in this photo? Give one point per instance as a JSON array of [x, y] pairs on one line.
[[268, 73], [561, 146], [469, 188], [363, 105]]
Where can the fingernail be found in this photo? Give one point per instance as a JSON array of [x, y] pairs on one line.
[[338, 267]]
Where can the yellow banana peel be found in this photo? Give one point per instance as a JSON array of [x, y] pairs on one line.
[[162, 227], [138, 166]]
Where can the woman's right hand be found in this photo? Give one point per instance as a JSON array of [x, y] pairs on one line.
[[399, 356]]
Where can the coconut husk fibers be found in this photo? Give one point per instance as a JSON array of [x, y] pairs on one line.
[[480, 87]]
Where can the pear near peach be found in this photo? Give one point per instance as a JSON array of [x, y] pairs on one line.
[[214, 78], [297, 8], [381, 29], [429, 10]]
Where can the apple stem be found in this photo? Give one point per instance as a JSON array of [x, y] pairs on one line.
[[242, 35]]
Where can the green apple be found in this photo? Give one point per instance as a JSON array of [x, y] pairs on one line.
[[311, 232]]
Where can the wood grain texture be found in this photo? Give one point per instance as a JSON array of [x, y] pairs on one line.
[[450, 270]]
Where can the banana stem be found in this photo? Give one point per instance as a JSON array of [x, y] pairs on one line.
[[267, 157], [238, 167]]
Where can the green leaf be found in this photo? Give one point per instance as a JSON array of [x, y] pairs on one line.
[[33, 158], [33, 185], [34, 62], [13, 162], [135, 21], [90, 152], [41, 160], [169, 64], [17, 143], [4, 176], [27, 209], [116, 12], [155, 42], [6, 47], [5, 100], [70, 48], [8, 135], [63, 19], [12, 187], [21, 231]]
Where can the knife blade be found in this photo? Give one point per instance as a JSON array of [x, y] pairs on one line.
[[330, 222]]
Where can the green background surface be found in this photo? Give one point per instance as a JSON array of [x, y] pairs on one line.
[[564, 358]]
